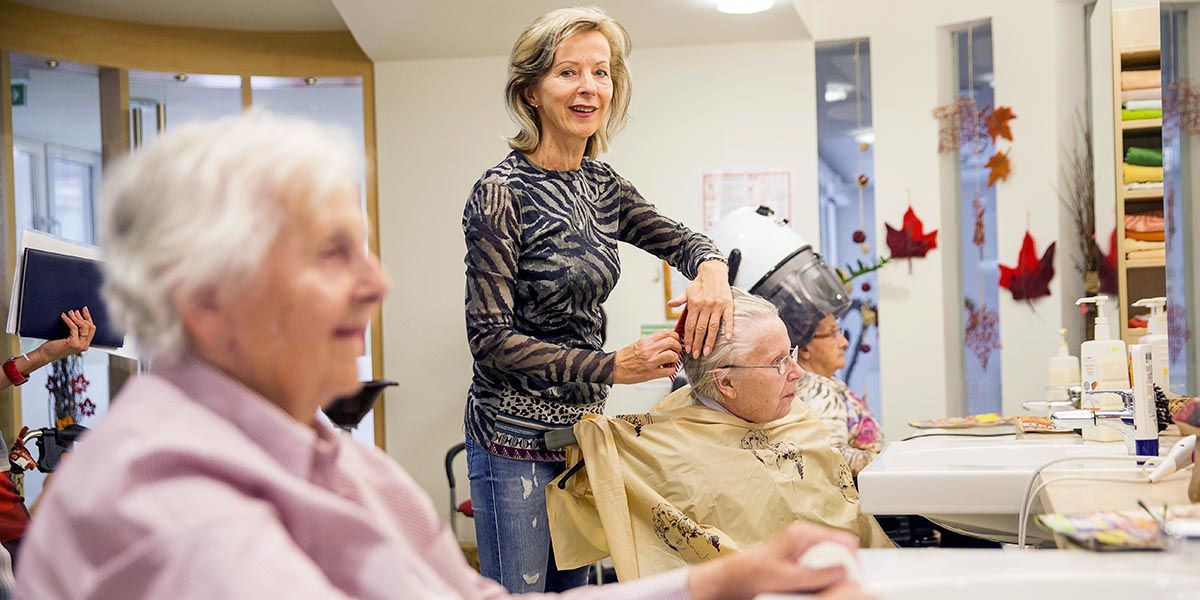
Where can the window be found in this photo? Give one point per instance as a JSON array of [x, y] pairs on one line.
[[977, 221], [845, 147]]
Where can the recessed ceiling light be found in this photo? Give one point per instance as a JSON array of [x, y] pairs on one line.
[[744, 7], [837, 91], [863, 135]]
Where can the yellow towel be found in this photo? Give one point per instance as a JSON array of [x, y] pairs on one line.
[[1140, 174]]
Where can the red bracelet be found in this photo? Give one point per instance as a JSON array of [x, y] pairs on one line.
[[13, 373]]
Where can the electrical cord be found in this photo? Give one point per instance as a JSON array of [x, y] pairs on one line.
[[978, 435], [1028, 506], [1027, 497]]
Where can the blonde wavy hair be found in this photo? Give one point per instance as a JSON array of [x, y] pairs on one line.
[[533, 55]]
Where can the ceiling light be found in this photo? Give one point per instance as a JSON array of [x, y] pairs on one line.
[[53, 64], [836, 91], [863, 136], [743, 7]]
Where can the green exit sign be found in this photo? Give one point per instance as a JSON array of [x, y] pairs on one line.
[[18, 94]]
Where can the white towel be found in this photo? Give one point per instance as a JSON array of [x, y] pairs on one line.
[[1143, 104]]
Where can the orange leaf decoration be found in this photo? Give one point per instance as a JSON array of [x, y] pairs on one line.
[[911, 241], [997, 123], [998, 167], [1031, 277]]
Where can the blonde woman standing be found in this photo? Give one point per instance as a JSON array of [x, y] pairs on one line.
[[541, 230]]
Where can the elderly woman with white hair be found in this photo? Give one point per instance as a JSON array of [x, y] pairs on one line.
[[541, 231], [712, 469], [235, 255]]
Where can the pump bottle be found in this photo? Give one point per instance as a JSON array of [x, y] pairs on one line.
[[1103, 365], [1062, 371], [1156, 338]]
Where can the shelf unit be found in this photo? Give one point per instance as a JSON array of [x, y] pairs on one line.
[[1135, 47]]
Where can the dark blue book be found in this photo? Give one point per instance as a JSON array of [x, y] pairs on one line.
[[52, 284]]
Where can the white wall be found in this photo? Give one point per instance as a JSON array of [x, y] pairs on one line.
[[441, 123], [1039, 71]]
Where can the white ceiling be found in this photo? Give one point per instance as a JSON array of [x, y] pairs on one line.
[[409, 29], [249, 15], [414, 29]]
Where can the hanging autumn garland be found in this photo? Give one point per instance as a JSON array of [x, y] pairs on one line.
[[997, 120]]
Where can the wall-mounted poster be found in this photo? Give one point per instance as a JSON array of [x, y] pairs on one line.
[[726, 191]]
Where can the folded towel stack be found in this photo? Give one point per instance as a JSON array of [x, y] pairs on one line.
[[1141, 95], [1144, 236]]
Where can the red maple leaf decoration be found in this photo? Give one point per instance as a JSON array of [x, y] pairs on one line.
[[1031, 277], [910, 241], [1106, 267], [997, 123], [998, 168]]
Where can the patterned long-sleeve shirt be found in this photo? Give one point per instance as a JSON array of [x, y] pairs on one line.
[[195, 487], [853, 430], [541, 259]]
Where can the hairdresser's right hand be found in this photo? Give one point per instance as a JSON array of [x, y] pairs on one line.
[[774, 566], [651, 357]]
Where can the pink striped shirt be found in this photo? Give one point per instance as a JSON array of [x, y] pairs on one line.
[[196, 487]]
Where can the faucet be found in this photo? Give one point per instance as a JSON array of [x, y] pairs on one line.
[[1119, 420], [1074, 397]]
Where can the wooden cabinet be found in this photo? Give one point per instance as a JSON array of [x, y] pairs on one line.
[[1136, 49]]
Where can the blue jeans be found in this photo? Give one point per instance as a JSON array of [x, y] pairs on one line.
[[510, 522]]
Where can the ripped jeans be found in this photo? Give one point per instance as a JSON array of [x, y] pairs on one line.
[[510, 522]]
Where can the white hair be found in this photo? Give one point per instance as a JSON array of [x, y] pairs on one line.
[[199, 208], [703, 372]]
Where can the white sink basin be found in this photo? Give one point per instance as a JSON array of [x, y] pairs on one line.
[[1004, 575], [971, 485]]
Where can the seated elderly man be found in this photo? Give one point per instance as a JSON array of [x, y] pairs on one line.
[[712, 468]]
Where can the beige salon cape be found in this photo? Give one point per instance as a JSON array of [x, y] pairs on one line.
[[686, 483]]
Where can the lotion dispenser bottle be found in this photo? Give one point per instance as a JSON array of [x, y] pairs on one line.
[[1156, 337], [1104, 365], [1063, 371]]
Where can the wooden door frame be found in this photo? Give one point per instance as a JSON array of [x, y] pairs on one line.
[[118, 47]]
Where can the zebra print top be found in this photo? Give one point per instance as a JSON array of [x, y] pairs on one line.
[[541, 258]]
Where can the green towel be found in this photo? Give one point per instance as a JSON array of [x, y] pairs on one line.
[[1146, 157], [1138, 115]]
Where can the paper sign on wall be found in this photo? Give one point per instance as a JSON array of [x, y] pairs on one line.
[[725, 191]]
